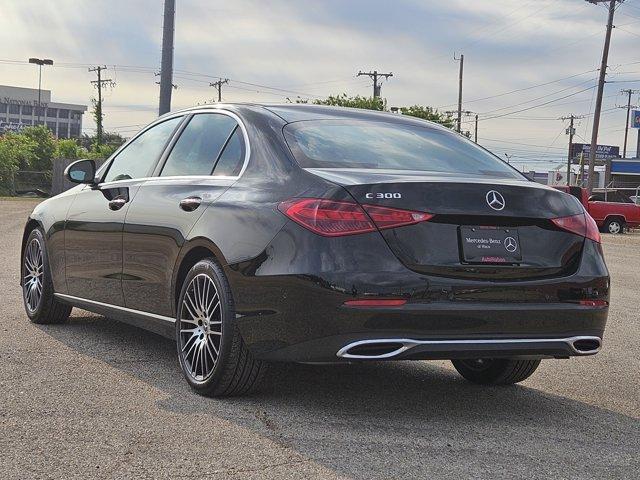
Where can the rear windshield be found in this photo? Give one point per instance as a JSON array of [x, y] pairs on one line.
[[390, 146]]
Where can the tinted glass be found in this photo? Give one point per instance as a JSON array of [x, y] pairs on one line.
[[199, 145], [390, 146], [232, 158], [138, 157]]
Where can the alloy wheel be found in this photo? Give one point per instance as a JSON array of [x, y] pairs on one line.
[[200, 327], [33, 272], [614, 227]]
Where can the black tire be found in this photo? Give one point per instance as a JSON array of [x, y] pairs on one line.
[[614, 226], [234, 371], [496, 371], [46, 310]]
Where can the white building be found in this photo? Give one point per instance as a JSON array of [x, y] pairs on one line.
[[19, 108]]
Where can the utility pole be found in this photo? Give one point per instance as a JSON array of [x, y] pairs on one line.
[[375, 76], [461, 60], [601, 82], [166, 68], [629, 92], [571, 132], [218, 86], [98, 84], [469, 113]]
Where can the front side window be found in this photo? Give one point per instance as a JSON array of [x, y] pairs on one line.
[[390, 146], [199, 145], [137, 159]]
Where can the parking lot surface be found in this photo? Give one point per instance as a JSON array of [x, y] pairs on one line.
[[98, 399]]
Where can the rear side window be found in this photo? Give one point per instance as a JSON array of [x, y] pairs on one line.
[[137, 158], [390, 146], [232, 157], [200, 145]]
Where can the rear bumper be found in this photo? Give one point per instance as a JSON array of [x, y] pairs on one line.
[[290, 304]]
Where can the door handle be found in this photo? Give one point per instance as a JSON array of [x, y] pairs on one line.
[[189, 204], [117, 203]]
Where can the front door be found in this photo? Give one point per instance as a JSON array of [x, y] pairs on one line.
[[95, 221]]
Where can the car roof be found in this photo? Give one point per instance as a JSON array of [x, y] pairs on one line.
[[296, 112]]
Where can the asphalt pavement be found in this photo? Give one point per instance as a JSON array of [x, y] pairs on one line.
[[95, 398]]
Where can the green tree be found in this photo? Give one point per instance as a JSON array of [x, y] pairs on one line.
[[16, 152], [20, 149], [428, 113], [368, 103], [45, 146], [69, 148]]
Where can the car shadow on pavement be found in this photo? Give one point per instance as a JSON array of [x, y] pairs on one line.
[[336, 416]]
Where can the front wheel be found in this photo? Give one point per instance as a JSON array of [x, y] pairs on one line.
[[37, 286], [495, 371], [213, 357]]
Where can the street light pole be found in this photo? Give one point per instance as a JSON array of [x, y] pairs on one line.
[[40, 62]]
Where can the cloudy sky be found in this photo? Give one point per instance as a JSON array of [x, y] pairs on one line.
[[547, 50]]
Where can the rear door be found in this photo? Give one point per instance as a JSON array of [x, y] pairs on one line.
[[93, 231], [204, 160]]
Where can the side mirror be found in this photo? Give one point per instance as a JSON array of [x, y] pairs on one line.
[[81, 171]]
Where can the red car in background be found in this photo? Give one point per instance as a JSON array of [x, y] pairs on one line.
[[612, 210]]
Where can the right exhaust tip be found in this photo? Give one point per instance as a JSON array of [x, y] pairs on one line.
[[587, 345]]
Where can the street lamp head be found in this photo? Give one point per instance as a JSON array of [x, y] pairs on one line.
[[38, 61]]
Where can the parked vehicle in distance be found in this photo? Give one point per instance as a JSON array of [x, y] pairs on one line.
[[612, 210], [264, 233]]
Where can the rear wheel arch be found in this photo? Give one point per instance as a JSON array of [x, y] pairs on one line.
[[191, 253]]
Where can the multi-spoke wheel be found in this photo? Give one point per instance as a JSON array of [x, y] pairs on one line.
[[495, 371], [200, 327], [211, 352], [37, 287], [33, 275]]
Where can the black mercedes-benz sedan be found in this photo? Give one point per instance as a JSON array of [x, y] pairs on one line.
[[253, 234]]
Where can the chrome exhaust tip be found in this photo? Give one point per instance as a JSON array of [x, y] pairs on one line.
[[586, 345], [373, 349]]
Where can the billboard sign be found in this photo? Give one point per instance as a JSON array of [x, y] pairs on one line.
[[603, 152], [635, 119]]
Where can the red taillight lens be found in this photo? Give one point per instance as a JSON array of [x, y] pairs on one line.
[[385, 217], [594, 303], [581, 224], [333, 219]]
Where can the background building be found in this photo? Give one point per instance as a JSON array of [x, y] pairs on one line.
[[19, 108]]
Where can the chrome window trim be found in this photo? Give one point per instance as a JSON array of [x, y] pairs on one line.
[[72, 299], [247, 153]]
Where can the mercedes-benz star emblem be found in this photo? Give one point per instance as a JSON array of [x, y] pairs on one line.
[[510, 244], [495, 200]]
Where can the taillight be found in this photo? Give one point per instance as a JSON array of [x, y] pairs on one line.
[[581, 224], [332, 219]]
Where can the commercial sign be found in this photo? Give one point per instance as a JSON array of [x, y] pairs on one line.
[[18, 101], [603, 152], [635, 119]]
